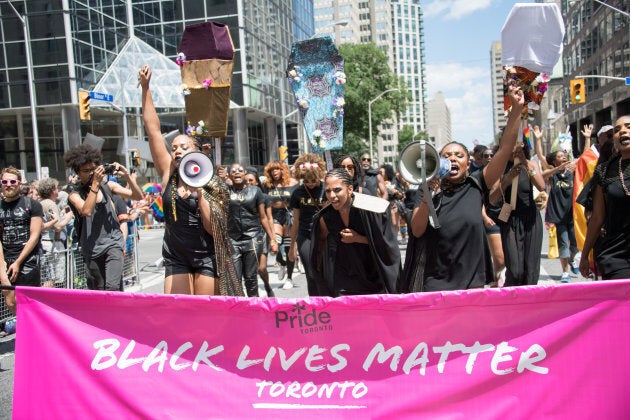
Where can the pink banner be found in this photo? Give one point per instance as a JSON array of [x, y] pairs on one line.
[[531, 352]]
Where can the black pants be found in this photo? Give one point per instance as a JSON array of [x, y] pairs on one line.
[[245, 256]]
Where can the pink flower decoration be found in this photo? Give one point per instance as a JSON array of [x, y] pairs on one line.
[[206, 83], [181, 57]]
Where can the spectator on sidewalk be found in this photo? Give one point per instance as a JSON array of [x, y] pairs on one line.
[[20, 227], [96, 220]]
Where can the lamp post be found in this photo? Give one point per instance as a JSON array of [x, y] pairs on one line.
[[370, 115], [31, 88]]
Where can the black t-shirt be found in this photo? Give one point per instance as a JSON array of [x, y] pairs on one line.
[[560, 202], [15, 224], [244, 219], [308, 202]]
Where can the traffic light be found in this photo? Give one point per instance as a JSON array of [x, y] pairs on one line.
[[135, 157], [283, 152], [84, 105], [578, 91]]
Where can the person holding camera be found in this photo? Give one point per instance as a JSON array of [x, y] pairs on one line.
[[96, 219]]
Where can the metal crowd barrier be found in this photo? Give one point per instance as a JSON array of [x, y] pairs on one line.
[[65, 269]]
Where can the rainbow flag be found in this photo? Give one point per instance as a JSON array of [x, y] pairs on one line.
[[527, 138], [158, 210]]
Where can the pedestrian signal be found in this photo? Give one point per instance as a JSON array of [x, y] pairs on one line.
[[283, 152], [578, 91], [135, 157], [84, 105]]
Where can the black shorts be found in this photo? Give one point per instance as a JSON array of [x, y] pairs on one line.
[[30, 274], [282, 216], [203, 264]]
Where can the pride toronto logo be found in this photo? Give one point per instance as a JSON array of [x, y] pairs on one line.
[[307, 321]]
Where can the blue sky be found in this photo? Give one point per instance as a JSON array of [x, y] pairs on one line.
[[458, 36]]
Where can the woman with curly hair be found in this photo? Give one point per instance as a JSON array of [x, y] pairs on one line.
[[197, 256], [306, 200], [96, 220], [279, 186]]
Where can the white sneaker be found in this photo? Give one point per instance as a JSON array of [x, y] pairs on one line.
[[288, 284], [282, 272], [300, 266]]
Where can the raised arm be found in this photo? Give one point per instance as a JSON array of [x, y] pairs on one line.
[[159, 152], [538, 135], [587, 131], [493, 170]]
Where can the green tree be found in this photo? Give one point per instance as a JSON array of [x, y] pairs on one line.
[[367, 76], [406, 136]]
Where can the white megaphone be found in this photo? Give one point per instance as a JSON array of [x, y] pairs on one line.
[[418, 157], [196, 169], [420, 162]]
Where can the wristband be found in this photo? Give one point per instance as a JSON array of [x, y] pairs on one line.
[[95, 192]]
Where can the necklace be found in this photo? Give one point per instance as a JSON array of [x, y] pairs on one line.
[[623, 181]]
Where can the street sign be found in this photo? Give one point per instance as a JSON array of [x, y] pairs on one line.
[[627, 81], [102, 96]]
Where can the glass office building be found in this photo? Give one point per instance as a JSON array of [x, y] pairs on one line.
[[98, 44]]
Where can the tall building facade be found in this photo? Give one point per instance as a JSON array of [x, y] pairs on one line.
[[439, 120], [597, 47], [75, 43], [496, 83]]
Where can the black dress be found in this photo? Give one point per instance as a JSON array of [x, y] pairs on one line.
[[521, 236], [612, 251], [456, 255], [356, 269]]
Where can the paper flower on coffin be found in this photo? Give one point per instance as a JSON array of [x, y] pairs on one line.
[[181, 58], [197, 131], [316, 77], [534, 86], [207, 62]]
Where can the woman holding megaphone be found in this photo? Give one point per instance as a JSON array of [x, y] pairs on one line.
[[456, 255], [195, 248]]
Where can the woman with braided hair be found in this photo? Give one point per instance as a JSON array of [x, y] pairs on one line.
[[353, 250], [196, 251]]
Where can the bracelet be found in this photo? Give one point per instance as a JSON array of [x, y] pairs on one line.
[[95, 192]]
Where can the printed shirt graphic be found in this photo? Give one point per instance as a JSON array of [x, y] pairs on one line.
[[15, 222]]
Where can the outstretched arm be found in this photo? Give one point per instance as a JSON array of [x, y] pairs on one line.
[[159, 152], [493, 170]]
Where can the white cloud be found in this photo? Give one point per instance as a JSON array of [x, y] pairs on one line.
[[454, 9], [467, 92]]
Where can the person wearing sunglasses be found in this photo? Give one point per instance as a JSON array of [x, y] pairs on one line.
[[370, 180], [196, 251], [247, 225], [20, 226]]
